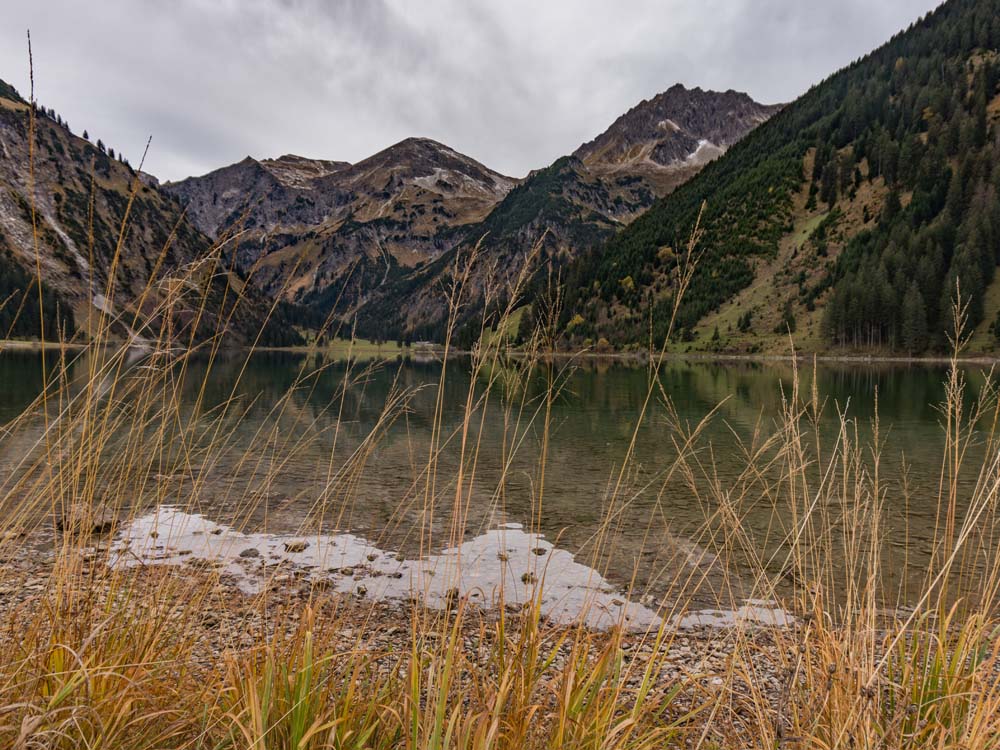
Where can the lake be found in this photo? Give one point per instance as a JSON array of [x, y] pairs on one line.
[[294, 421]]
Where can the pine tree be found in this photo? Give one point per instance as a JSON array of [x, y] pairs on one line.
[[787, 324], [979, 114], [828, 187], [914, 323], [892, 206]]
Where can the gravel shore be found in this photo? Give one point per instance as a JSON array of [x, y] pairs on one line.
[[230, 621]]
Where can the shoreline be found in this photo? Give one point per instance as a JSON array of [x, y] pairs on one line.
[[232, 623], [367, 352], [26, 345], [643, 358]]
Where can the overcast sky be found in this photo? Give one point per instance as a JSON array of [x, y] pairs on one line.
[[512, 83]]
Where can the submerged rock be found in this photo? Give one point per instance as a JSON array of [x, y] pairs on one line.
[[475, 569], [86, 519]]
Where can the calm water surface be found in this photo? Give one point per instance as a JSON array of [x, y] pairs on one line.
[[592, 423]]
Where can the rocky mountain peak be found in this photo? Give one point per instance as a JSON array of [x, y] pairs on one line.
[[432, 166], [298, 171], [675, 129]]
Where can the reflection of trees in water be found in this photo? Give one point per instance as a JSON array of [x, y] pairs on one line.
[[21, 377], [910, 433], [292, 422]]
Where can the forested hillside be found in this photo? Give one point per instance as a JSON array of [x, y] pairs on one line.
[[561, 207], [847, 220]]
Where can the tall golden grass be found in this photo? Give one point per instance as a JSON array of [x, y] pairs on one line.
[[100, 656]]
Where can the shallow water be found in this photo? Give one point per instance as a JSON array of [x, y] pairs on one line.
[[655, 532], [507, 566]]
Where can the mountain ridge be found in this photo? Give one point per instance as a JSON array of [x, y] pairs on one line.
[[375, 239], [674, 128], [573, 204], [301, 224]]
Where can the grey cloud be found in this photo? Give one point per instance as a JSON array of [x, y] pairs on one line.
[[513, 84]]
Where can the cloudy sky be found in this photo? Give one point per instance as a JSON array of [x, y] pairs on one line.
[[512, 83]]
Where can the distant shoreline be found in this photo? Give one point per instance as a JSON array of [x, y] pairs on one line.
[[367, 350], [24, 345], [857, 359]]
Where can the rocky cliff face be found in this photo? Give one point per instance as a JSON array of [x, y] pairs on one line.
[[668, 138], [104, 235], [266, 189], [302, 224]]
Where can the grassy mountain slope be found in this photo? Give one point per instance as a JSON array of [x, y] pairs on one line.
[[846, 219]]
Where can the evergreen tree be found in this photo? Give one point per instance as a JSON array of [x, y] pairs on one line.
[[787, 324], [893, 206], [828, 186], [914, 321]]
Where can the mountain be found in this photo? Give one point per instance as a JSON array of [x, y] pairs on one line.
[[270, 187], [576, 204], [305, 226], [373, 242], [669, 138], [845, 221], [79, 195]]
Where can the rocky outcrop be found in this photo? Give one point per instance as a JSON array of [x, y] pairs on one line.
[[302, 225], [668, 138]]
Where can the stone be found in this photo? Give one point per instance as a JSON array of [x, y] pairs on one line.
[[210, 620], [250, 552], [87, 518], [294, 547]]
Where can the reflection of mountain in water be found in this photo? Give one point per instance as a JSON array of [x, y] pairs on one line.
[[291, 426]]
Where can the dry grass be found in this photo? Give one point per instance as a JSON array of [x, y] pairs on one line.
[[105, 656]]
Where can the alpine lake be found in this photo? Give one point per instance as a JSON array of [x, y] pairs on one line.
[[385, 455]]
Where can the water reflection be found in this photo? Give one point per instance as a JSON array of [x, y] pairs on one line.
[[658, 530]]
